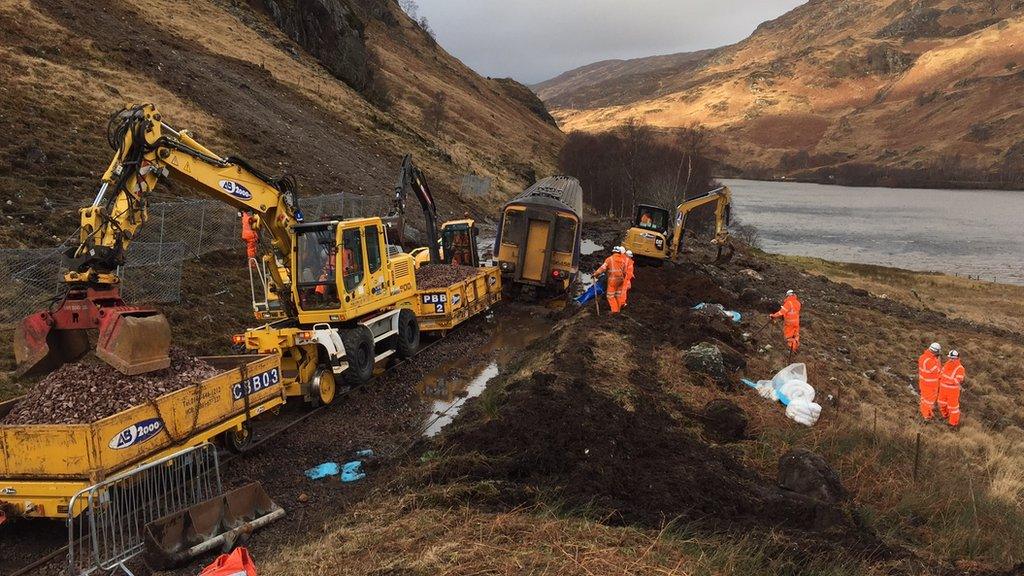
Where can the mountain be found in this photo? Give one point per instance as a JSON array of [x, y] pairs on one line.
[[331, 91], [835, 90]]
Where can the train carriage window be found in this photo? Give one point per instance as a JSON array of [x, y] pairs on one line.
[[565, 235], [512, 229], [353, 269]]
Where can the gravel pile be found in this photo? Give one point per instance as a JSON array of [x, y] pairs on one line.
[[442, 275], [90, 390]]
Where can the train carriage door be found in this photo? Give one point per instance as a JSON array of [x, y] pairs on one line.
[[535, 254]]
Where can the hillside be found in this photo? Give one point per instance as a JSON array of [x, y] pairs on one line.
[[331, 91], [851, 90]]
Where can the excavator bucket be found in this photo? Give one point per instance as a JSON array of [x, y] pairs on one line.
[[40, 348], [134, 341], [216, 524]]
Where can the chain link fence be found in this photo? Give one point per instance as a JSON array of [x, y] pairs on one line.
[[175, 232]]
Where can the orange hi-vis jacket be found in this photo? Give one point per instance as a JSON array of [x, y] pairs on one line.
[[790, 311], [928, 369], [629, 273], [952, 374], [617, 266], [249, 235]]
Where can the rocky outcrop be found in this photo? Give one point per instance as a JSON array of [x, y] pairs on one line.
[[331, 31], [526, 97]]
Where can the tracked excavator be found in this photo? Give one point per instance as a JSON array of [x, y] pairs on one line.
[[655, 237], [455, 243], [336, 285]]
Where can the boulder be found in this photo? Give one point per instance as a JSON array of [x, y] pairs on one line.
[[706, 358], [807, 473]]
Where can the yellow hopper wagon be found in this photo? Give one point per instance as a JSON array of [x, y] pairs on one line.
[[42, 466]]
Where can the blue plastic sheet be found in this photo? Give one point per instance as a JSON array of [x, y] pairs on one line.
[[323, 471], [352, 471]]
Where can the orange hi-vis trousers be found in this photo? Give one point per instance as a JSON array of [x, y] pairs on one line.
[[949, 403]]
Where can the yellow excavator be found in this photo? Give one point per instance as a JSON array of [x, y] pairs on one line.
[[457, 241], [336, 283], [655, 237]]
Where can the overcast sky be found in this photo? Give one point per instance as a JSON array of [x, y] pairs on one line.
[[533, 40]]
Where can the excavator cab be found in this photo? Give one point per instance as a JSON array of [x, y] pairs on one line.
[[458, 245]]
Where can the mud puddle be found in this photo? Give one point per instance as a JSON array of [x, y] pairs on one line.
[[451, 385]]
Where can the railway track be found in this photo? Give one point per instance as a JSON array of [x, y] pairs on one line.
[[266, 436]]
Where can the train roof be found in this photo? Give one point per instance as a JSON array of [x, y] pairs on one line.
[[562, 192]]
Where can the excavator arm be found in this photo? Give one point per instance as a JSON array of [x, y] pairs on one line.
[[134, 339], [722, 198], [411, 178]]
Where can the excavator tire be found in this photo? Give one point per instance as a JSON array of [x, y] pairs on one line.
[[359, 353], [408, 338]]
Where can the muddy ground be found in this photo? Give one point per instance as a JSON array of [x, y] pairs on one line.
[[601, 418]]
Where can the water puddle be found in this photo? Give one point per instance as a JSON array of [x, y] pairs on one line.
[[450, 386], [442, 412], [588, 247]]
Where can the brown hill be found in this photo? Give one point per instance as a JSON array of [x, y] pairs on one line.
[[331, 91], [871, 90]]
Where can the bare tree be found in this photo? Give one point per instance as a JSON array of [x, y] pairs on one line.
[[435, 114], [637, 140], [411, 8]]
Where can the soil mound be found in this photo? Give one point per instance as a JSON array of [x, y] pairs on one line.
[[724, 421], [90, 390]]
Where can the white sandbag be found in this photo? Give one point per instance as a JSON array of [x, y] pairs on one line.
[[791, 372], [797, 390], [803, 412], [764, 388]]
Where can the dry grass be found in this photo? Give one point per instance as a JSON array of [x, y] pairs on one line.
[[1000, 305], [412, 534]]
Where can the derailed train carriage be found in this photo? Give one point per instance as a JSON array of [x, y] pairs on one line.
[[537, 246]]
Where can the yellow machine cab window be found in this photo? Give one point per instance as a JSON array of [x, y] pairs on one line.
[[352, 258], [317, 265], [652, 218]]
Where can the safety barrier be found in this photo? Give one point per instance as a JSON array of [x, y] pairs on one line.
[[109, 532]]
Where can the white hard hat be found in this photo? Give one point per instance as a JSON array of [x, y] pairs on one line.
[[619, 250], [954, 354], [629, 253], [935, 347], [790, 292]]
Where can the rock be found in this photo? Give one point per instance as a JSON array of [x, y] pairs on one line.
[[752, 274], [807, 473], [442, 275], [331, 31], [706, 358], [724, 421]]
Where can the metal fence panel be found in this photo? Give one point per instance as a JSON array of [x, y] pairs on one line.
[[110, 532]]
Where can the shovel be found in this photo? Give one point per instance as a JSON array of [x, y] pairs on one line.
[[218, 523]]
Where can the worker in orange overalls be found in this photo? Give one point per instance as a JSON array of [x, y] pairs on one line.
[[790, 312], [327, 273], [629, 278], [928, 369], [616, 266], [950, 379], [250, 237]]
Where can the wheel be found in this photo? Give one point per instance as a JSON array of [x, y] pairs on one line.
[[238, 440], [358, 343], [322, 388], [408, 342]]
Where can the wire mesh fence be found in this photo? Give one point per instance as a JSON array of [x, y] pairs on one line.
[[175, 232]]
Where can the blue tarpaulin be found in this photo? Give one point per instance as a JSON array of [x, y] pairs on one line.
[[593, 292]]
